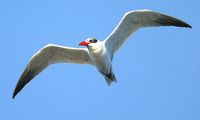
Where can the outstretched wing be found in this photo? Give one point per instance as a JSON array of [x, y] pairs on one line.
[[134, 20], [51, 54]]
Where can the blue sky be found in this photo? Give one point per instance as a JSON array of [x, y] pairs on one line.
[[158, 69]]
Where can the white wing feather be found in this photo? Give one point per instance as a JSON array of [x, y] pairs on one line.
[[134, 20], [51, 54]]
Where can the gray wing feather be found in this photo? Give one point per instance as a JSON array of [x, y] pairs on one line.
[[51, 54], [134, 20]]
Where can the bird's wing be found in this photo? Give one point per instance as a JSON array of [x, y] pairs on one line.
[[134, 20], [51, 54]]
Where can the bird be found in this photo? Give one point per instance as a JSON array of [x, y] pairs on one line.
[[93, 51]]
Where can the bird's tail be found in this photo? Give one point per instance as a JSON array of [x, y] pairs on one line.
[[109, 77]]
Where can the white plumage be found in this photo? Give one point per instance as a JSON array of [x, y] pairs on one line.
[[96, 53]]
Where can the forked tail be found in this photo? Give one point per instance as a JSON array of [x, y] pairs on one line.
[[109, 77]]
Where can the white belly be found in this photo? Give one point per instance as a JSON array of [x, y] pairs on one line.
[[102, 61]]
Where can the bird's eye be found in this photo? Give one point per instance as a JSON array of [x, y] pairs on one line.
[[93, 41]]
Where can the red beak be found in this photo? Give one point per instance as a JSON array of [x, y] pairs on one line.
[[84, 43]]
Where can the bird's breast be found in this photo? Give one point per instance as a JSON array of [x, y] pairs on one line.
[[101, 60]]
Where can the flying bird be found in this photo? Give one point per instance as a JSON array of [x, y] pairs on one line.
[[97, 53]]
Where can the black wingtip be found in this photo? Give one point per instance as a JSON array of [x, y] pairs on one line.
[[13, 97], [24, 79], [189, 26], [184, 24], [15, 93], [166, 20]]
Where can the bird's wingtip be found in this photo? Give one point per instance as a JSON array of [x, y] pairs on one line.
[[189, 26], [14, 94], [13, 97], [184, 24]]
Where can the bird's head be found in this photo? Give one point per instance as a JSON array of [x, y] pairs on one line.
[[89, 42]]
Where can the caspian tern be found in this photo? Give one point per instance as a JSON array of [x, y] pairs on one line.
[[96, 53]]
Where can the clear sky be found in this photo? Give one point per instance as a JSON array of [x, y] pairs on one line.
[[158, 69]]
